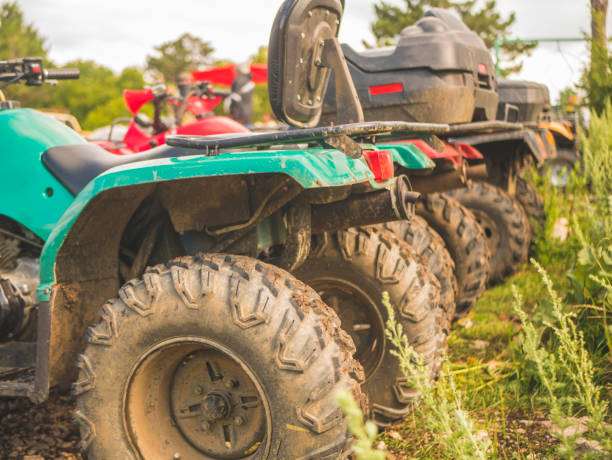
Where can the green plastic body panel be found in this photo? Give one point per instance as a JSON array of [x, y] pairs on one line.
[[30, 194], [311, 168], [35, 199], [409, 156]]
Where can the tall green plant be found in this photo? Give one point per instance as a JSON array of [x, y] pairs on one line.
[[565, 371], [597, 148], [440, 405]]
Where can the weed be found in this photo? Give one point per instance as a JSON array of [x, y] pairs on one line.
[[364, 432], [440, 406], [566, 372]]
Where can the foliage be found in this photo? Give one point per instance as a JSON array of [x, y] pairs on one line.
[[565, 371], [365, 433], [17, 38], [440, 405], [486, 21], [261, 101], [96, 97], [597, 78], [20, 39], [597, 149], [175, 57]]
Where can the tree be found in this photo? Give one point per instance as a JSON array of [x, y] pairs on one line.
[[18, 39], [486, 21], [178, 56], [261, 101], [598, 77]]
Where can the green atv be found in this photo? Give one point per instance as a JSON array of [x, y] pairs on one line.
[[208, 347]]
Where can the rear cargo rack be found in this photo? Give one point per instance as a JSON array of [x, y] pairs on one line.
[[328, 136]]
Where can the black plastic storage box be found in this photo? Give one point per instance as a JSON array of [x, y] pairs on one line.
[[439, 72], [530, 98]]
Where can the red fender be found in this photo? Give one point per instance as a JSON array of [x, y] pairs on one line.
[[209, 126], [449, 153], [225, 75], [468, 151], [136, 98], [198, 106]]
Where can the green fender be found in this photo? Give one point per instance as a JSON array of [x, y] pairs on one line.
[[29, 193], [311, 168], [408, 155]]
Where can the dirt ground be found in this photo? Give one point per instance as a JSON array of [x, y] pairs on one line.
[[37, 432]]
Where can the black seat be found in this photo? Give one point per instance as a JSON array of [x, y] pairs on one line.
[[78, 164], [437, 41]]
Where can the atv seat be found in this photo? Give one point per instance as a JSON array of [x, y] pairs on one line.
[[439, 41], [78, 164]]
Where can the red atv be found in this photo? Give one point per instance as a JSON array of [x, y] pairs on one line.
[[143, 134]]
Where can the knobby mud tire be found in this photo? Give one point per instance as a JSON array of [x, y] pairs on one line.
[[532, 203], [284, 336], [465, 241], [505, 224], [351, 270], [430, 246]]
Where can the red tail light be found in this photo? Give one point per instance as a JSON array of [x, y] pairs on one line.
[[386, 89], [380, 163], [482, 68]]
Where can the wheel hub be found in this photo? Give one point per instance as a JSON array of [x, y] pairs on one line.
[[359, 317], [194, 398], [216, 405], [490, 229]]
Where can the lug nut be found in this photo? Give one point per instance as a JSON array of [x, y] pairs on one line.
[[199, 390], [239, 420], [231, 383], [205, 425]]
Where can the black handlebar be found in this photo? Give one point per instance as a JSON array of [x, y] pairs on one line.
[[221, 92], [62, 74], [32, 72]]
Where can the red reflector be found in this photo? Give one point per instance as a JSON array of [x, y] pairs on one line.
[[482, 68], [386, 89], [380, 163], [35, 69]]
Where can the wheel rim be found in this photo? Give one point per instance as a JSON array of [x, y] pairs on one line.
[[490, 230], [198, 397], [559, 174], [359, 316]]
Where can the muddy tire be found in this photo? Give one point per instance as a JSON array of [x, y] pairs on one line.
[[350, 270], [465, 241], [430, 246], [532, 203], [505, 223], [214, 356]]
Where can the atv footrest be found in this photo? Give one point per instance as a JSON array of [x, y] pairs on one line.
[[212, 145]]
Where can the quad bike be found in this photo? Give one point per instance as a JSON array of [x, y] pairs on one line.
[[440, 71], [143, 134], [205, 349]]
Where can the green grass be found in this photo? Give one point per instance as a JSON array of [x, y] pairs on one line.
[[500, 387]]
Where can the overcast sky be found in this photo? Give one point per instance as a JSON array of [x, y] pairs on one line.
[[119, 33]]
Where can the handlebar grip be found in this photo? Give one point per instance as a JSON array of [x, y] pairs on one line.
[[221, 92], [62, 74]]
